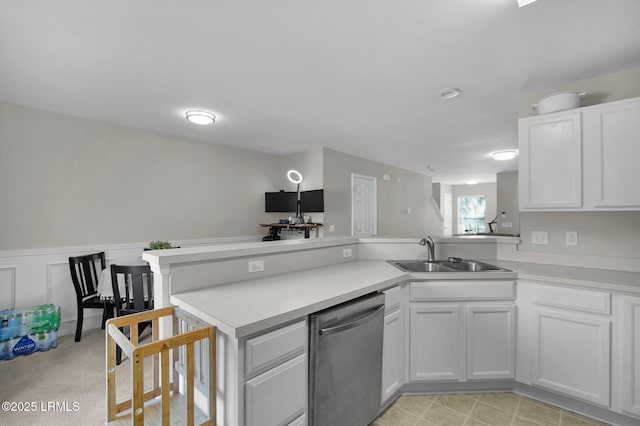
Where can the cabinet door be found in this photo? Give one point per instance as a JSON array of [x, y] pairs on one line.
[[550, 162], [392, 355], [436, 350], [279, 395], [491, 342], [571, 354], [612, 133], [631, 355]]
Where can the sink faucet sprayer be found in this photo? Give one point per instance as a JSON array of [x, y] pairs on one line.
[[428, 241]]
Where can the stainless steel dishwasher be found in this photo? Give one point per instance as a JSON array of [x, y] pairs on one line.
[[345, 362]]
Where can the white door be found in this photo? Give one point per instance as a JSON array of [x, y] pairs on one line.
[[631, 357], [491, 342], [571, 354], [392, 355], [447, 213], [550, 161], [363, 206], [436, 343]]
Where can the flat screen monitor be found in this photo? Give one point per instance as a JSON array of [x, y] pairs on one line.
[[312, 201], [279, 202]]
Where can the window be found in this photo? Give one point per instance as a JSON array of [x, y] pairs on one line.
[[471, 213]]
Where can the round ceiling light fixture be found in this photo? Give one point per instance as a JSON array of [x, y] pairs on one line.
[[471, 182], [509, 154], [200, 117], [450, 93]]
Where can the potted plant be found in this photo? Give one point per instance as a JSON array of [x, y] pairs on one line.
[[159, 245]]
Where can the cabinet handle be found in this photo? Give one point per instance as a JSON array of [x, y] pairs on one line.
[[351, 324]]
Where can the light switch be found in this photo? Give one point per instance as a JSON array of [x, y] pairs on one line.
[[572, 238]]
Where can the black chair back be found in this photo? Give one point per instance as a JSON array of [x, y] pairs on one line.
[[84, 273], [137, 295]]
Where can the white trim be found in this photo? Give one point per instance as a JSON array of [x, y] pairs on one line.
[[375, 200], [122, 246], [12, 284]]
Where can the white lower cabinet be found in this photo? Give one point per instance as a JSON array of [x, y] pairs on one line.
[[631, 355], [392, 355], [491, 342], [276, 368], [278, 396], [459, 335], [436, 343], [571, 354], [564, 343]]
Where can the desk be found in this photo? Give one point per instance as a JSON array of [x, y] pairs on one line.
[[276, 227]]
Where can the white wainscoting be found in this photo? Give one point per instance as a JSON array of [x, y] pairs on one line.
[[37, 276], [7, 287]]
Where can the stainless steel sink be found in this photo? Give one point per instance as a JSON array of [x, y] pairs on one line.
[[445, 266], [421, 266], [471, 266]]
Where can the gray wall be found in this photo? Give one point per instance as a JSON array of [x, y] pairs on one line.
[[405, 190], [69, 181], [605, 234], [507, 202], [604, 88]]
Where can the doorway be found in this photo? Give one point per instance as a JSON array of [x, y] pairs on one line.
[[364, 205]]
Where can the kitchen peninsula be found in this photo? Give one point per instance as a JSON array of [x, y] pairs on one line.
[[261, 317]]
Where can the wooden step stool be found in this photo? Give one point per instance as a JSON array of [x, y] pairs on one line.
[[147, 407]]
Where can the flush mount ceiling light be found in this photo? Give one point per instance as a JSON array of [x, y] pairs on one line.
[[509, 154], [450, 93], [200, 117], [524, 2], [471, 182]]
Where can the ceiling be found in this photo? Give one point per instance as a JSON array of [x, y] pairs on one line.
[[282, 76]]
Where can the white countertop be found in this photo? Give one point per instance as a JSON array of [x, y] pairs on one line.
[[603, 279], [243, 308]]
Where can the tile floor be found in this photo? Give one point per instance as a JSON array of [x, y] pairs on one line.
[[486, 409]]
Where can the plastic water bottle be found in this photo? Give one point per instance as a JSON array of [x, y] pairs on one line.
[[27, 317], [53, 316]]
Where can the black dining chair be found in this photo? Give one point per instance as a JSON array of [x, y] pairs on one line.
[[135, 295], [84, 274]]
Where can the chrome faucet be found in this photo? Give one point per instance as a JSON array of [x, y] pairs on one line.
[[428, 241]]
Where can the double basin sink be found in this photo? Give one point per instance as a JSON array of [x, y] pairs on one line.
[[451, 265]]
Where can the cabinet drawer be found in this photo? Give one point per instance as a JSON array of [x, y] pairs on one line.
[[273, 348], [278, 396], [462, 290], [571, 298]]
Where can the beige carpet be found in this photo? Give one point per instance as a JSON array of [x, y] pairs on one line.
[[72, 375]]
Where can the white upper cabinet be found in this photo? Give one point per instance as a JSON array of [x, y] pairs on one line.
[[612, 151], [551, 162], [583, 159]]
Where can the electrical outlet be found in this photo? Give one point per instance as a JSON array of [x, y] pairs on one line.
[[539, 237], [332, 228], [572, 238], [507, 225], [347, 252], [256, 266]]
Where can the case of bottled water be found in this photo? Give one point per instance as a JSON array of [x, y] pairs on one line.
[[24, 331]]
